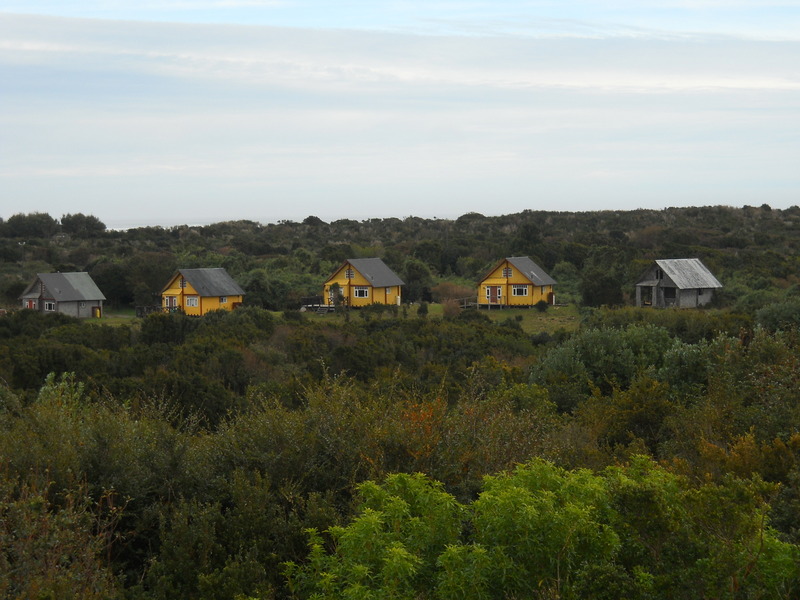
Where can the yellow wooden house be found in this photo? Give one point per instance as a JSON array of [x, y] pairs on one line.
[[198, 291], [516, 281], [361, 282]]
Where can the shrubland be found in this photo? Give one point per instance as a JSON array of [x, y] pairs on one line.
[[266, 453], [249, 455]]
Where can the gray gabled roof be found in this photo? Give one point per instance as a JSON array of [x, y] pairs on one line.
[[211, 282], [65, 287], [376, 272], [688, 273], [531, 270]]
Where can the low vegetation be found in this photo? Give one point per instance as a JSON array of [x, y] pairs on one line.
[[265, 453]]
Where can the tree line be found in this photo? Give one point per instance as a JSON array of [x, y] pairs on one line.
[[595, 256], [268, 454]]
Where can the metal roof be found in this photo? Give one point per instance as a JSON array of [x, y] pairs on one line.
[[376, 271], [688, 273], [211, 282], [65, 287], [531, 270]]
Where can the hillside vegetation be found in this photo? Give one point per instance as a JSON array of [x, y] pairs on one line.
[[595, 256], [590, 451]]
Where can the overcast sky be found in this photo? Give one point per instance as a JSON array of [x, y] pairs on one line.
[[182, 111]]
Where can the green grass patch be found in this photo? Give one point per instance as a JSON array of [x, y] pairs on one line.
[[532, 321], [117, 315]]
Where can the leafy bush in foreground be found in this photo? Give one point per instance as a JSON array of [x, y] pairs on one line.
[[636, 532]]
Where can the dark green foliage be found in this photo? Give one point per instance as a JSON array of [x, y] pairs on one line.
[[111, 278], [600, 358], [418, 281], [165, 328], [688, 325], [33, 225], [49, 551], [178, 457], [780, 316], [636, 532], [81, 225]]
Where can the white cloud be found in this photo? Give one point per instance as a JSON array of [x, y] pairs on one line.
[[158, 115]]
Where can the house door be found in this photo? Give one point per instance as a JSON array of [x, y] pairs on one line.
[[494, 294], [30, 304]]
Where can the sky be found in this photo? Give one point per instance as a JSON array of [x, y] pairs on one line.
[[167, 112]]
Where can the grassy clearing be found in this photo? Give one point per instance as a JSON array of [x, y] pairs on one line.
[[113, 316], [531, 320]]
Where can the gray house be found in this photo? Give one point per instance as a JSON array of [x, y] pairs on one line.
[[73, 294], [679, 282]]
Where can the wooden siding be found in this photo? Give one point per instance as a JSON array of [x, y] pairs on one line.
[[349, 288], [204, 303], [498, 280]]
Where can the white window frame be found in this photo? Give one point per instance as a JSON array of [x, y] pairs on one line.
[[182, 283], [223, 299], [349, 274], [519, 289], [361, 291], [507, 272], [192, 301], [49, 306], [489, 291]]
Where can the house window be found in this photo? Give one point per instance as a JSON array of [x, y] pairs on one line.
[[50, 306], [349, 274], [170, 301], [191, 301], [182, 283], [519, 290], [507, 272], [83, 304], [543, 289], [700, 292], [223, 299], [498, 291], [361, 292]]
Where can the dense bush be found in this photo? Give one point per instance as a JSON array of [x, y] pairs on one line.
[[539, 531], [177, 457]]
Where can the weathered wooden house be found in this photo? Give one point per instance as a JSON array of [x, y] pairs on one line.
[[515, 281], [678, 282], [198, 291], [74, 294], [361, 282]]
